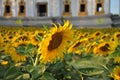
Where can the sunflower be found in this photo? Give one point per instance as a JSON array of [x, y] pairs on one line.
[[17, 56], [105, 48], [117, 37], [2, 44], [117, 34], [55, 43], [75, 47], [97, 33], [116, 73], [117, 59], [4, 62], [105, 37], [86, 34], [90, 47], [34, 39], [20, 39]]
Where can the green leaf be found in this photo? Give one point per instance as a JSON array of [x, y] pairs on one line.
[[47, 76], [12, 73], [29, 47], [38, 37], [36, 71], [21, 50], [45, 27]]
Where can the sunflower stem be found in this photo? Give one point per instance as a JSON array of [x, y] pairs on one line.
[[32, 60], [36, 60]]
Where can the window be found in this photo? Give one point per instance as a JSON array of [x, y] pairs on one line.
[[82, 8], [42, 9], [7, 8], [99, 7], [22, 8], [67, 8]]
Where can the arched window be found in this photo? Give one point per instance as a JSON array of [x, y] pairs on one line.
[[7, 8], [83, 8], [22, 8], [99, 7], [67, 8]]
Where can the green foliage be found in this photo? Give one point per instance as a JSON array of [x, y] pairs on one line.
[[23, 50], [38, 37], [46, 28]]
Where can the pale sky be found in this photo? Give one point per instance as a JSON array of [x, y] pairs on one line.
[[114, 8]]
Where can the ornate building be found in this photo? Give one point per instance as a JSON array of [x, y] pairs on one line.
[[53, 8], [37, 12]]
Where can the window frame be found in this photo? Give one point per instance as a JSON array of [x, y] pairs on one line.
[[85, 12], [8, 3], [22, 3], [98, 2], [68, 3]]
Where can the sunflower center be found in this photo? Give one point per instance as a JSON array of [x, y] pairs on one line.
[[76, 45], [119, 74], [118, 35], [24, 38], [97, 34], [105, 47], [56, 41]]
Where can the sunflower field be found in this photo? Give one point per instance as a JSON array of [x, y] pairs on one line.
[[59, 52]]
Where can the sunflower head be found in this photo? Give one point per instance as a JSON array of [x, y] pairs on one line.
[[104, 48], [117, 34], [116, 73], [117, 59], [55, 42]]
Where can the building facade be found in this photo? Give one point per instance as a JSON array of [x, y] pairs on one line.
[[53, 8]]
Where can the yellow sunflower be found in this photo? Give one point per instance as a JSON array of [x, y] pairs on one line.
[[117, 59], [4, 62], [105, 48], [117, 37], [116, 73], [97, 33], [33, 38], [55, 43], [75, 47], [117, 34], [86, 34], [90, 47], [1, 41], [105, 37], [17, 56]]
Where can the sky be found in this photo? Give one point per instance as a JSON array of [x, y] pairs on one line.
[[114, 8]]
